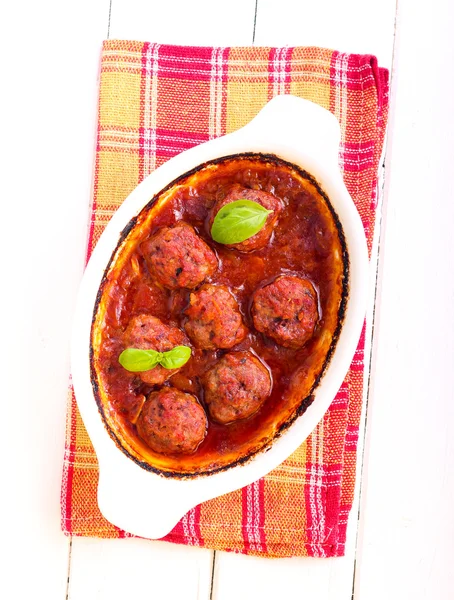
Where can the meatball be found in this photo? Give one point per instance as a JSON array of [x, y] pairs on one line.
[[149, 333], [236, 387], [286, 310], [172, 422], [267, 200], [178, 257], [214, 319]]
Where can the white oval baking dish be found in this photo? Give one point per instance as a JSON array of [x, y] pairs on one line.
[[142, 502]]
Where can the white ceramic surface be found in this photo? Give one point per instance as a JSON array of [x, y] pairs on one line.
[[146, 504]]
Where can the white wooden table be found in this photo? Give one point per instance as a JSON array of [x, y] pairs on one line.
[[401, 529]]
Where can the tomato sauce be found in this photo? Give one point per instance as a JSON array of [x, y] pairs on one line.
[[307, 241]]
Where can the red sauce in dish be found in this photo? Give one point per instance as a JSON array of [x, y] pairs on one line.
[[307, 241]]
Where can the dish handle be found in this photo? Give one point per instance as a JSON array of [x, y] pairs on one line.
[[140, 502], [301, 123]]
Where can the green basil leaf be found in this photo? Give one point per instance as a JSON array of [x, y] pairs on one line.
[[136, 360], [238, 221], [175, 358]]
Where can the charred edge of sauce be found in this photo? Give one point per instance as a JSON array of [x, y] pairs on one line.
[[125, 232], [305, 402], [304, 405]]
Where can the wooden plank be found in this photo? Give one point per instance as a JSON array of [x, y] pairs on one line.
[[349, 26], [406, 541], [240, 577], [47, 135], [244, 577], [98, 566], [129, 568], [197, 23]]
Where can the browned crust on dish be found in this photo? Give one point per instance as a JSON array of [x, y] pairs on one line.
[[131, 233]]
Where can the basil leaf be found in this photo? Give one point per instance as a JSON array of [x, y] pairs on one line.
[[136, 360], [175, 358], [238, 221]]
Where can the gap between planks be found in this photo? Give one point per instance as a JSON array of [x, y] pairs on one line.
[[213, 563], [385, 168], [69, 567], [108, 21], [255, 21]]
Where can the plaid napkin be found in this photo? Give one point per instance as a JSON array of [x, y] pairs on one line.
[[156, 101]]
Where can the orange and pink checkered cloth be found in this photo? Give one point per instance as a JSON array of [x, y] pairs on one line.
[[156, 101]]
